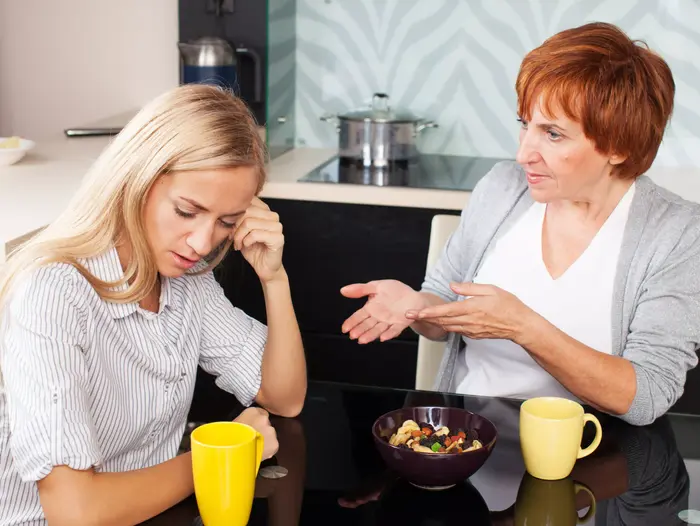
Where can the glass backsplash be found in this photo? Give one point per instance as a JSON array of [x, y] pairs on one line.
[[281, 75], [454, 62]]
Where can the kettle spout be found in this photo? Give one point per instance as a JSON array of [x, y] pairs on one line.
[[187, 50]]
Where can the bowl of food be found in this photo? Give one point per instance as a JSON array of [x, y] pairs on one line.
[[13, 149], [434, 447]]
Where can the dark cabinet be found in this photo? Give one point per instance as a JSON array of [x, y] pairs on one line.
[[329, 245]]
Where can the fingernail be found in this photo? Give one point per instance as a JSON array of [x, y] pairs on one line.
[[411, 313]]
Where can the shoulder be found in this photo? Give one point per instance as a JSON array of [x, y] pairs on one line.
[[48, 286], [505, 181], [669, 217], [504, 177], [51, 300]]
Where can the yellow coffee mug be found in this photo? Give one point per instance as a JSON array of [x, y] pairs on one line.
[[542, 502], [550, 436], [225, 462]]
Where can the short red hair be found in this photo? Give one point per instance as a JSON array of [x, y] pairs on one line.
[[616, 88]]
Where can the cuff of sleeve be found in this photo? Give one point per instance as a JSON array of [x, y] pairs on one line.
[[35, 453], [446, 295], [641, 412], [244, 377]]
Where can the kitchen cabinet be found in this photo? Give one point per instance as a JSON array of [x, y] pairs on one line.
[[329, 245]]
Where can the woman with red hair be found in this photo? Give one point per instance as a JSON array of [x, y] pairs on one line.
[[571, 273]]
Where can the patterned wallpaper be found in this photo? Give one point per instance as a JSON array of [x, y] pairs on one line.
[[455, 61]]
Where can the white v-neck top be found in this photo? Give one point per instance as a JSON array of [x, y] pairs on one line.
[[579, 303]]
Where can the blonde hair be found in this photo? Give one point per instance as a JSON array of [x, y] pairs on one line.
[[192, 127]]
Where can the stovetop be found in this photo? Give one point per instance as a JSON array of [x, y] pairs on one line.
[[443, 172]]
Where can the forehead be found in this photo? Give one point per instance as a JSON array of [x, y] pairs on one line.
[[218, 190], [552, 111]]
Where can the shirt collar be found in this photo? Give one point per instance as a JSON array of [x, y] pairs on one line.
[[107, 267]]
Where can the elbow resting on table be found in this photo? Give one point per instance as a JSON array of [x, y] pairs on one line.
[[290, 411], [653, 398], [287, 407]]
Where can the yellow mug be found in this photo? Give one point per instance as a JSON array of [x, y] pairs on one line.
[[551, 502], [550, 436], [225, 462]]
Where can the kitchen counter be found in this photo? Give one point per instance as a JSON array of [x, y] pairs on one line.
[[35, 190]]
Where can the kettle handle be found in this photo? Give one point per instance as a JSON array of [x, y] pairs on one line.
[[255, 57]]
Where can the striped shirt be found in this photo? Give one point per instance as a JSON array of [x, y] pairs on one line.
[[89, 383]]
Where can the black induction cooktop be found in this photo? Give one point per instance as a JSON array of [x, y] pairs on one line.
[[443, 172]]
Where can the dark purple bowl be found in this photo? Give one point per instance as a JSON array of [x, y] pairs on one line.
[[429, 470]]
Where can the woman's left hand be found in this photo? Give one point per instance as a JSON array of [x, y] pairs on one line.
[[488, 312], [258, 235]]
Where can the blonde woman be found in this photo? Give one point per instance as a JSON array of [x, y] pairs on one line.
[[110, 310]]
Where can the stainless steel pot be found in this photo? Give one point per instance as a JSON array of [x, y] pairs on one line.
[[379, 135]]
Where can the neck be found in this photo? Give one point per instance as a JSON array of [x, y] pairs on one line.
[[599, 201]]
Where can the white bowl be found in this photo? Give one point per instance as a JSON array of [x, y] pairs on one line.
[[10, 156]]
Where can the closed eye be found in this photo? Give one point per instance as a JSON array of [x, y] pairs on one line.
[[182, 213]]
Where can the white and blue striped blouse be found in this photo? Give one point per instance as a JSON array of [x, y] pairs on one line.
[[89, 383]]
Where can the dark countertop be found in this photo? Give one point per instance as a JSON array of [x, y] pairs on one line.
[[639, 475]]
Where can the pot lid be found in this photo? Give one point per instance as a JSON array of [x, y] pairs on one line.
[[380, 111]]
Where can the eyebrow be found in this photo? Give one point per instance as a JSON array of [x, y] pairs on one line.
[[203, 208], [546, 126]]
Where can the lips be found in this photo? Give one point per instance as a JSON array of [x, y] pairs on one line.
[[184, 262], [534, 178], [189, 260]]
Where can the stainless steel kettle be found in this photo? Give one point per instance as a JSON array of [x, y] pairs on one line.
[[212, 60]]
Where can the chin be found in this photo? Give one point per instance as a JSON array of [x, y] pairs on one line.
[[542, 196], [170, 271]]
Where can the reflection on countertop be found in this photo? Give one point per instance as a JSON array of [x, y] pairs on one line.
[[440, 172]]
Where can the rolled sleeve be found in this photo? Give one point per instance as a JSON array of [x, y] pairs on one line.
[[45, 377], [664, 334], [232, 344]]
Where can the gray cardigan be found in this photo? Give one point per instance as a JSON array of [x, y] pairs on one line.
[[656, 303]]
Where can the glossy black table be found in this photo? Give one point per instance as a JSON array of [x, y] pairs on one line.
[[639, 476]]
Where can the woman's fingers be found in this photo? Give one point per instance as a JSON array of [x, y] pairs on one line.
[[362, 328], [354, 320], [392, 332], [373, 333], [358, 290]]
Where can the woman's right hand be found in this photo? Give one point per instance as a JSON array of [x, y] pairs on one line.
[[384, 314], [259, 419]]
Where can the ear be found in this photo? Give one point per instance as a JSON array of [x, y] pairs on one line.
[[616, 159]]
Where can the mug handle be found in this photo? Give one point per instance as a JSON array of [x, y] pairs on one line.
[[591, 509], [259, 445], [587, 417]]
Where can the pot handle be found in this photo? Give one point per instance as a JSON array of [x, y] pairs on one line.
[[333, 119], [422, 125]]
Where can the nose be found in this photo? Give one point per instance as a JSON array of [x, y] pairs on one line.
[[201, 240], [527, 150]]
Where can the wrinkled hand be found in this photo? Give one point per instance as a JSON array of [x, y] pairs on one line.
[[258, 235], [384, 314], [488, 312], [259, 419]]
